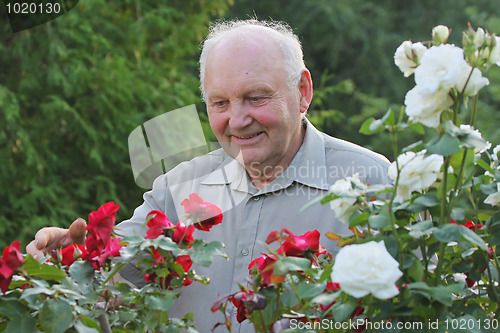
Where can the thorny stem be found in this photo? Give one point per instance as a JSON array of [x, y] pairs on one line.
[[442, 219], [391, 203]]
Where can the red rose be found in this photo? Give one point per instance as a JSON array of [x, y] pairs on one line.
[[112, 249], [101, 224], [297, 246], [239, 302], [157, 222], [71, 253], [9, 263], [183, 233], [264, 267], [468, 224], [203, 214]]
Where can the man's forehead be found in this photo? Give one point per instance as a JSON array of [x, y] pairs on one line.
[[247, 90]]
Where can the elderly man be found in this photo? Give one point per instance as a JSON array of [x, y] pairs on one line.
[[272, 162]]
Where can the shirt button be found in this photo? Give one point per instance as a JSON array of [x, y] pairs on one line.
[[256, 198], [244, 252]]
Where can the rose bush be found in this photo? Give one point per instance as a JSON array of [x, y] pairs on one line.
[[74, 288], [423, 253]]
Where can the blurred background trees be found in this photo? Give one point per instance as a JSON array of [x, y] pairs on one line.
[[73, 89]]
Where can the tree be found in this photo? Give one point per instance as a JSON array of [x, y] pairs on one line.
[[73, 89]]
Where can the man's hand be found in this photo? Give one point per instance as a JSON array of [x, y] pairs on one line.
[[52, 238]]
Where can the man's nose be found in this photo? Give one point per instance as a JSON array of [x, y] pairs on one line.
[[239, 117]]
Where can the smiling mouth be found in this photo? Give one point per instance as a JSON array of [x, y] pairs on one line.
[[247, 137]]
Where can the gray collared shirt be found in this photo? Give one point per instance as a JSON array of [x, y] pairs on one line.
[[251, 214]]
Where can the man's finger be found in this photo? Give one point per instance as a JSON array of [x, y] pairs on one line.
[[41, 239], [77, 231], [32, 249]]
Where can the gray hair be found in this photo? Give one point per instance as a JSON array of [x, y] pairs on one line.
[[287, 41]]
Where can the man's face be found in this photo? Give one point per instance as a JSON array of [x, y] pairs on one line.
[[253, 112]]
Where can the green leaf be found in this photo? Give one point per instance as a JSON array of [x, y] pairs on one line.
[[204, 252], [12, 308], [416, 270], [161, 242], [446, 145], [55, 316], [422, 228], [25, 324], [416, 146], [82, 272], [116, 268], [427, 200], [417, 128], [290, 264], [381, 220], [43, 271], [161, 302], [448, 232], [342, 311], [308, 289], [444, 294], [389, 117], [489, 188], [472, 237], [326, 298], [87, 325], [371, 126], [358, 218]]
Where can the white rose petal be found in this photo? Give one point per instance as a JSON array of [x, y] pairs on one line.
[[343, 208], [418, 172], [440, 68], [426, 108], [475, 139], [494, 198], [475, 82], [495, 53], [349, 190], [368, 268], [407, 57], [495, 153]]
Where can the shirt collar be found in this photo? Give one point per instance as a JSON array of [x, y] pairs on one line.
[[308, 167]]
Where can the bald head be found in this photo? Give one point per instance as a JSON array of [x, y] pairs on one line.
[[260, 36]]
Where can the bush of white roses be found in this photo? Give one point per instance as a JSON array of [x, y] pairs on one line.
[[422, 256]]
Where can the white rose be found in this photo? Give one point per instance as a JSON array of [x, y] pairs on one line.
[[495, 53], [426, 108], [475, 81], [495, 153], [349, 190], [475, 139], [407, 57], [440, 34], [418, 172], [362, 269], [440, 68], [494, 198]]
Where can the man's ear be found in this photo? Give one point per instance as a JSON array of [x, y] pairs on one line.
[[306, 90]]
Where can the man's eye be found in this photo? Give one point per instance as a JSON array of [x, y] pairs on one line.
[[220, 103], [255, 99]]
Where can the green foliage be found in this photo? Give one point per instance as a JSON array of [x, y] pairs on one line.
[[72, 90]]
